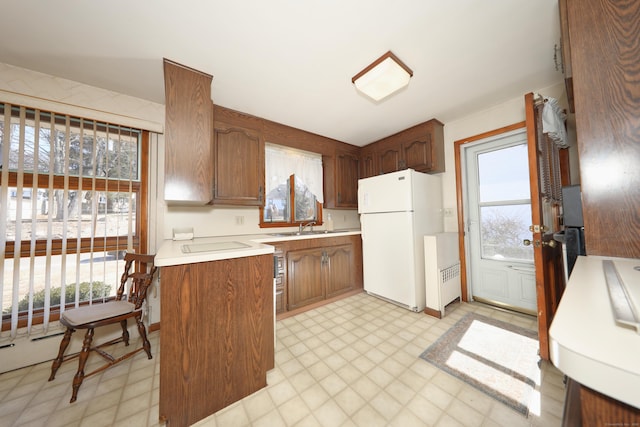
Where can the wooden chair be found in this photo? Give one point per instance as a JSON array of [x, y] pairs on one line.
[[126, 305]]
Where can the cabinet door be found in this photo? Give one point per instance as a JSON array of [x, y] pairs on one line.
[[417, 155], [390, 160], [188, 159], [239, 166], [338, 262], [347, 180], [304, 277], [367, 165]]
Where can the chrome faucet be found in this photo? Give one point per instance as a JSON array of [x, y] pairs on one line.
[[303, 226]]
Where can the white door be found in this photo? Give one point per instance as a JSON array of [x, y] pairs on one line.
[[388, 257], [498, 216]]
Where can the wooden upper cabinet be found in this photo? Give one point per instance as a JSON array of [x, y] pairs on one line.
[[239, 165], [188, 160], [420, 148], [417, 154], [367, 164], [341, 172], [607, 121], [390, 160], [347, 172]]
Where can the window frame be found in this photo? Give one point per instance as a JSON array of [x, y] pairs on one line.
[[291, 222], [139, 240]]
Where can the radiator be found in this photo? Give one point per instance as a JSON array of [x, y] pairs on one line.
[[442, 271]]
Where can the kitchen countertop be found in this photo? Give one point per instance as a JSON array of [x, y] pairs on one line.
[[585, 342], [217, 248]]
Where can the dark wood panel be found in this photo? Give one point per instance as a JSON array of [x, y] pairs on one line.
[[417, 154], [188, 176], [604, 59], [339, 275], [408, 148], [346, 175], [367, 164], [598, 410], [304, 276], [239, 165], [390, 160], [355, 260], [277, 133], [216, 335]]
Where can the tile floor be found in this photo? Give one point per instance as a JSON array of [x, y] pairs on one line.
[[353, 362]]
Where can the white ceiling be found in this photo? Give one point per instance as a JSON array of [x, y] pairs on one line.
[[291, 61]]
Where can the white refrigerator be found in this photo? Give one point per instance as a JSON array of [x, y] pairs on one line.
[[396, 211]]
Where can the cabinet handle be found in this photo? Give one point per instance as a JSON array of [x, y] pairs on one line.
[[339, 197], [260, 194]]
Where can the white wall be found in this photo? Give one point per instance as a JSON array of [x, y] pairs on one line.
[[503, 114]]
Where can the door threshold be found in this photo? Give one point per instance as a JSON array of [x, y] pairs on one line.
[[506, 307]]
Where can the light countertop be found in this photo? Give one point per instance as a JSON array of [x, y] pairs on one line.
[[203, 249], [585, 342]]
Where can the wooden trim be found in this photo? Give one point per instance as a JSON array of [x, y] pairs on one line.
[[432, 312], [459, 196], [291, 221], [101, 184], [142, 215], [99, 244], [544, 314], [389, 54], [192, 70]]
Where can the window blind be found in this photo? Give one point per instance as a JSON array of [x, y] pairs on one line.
[[69, 209]]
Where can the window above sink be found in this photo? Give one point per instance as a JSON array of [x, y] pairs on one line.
[[294, 187]]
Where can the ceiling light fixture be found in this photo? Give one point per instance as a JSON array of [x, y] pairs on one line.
[[386, 75]]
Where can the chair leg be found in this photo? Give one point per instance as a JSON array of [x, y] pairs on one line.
[[60, 358], [125, 332], [82, 360], [143, 334]]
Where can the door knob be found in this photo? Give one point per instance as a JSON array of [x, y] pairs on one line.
[[550, 243], [526, 242]]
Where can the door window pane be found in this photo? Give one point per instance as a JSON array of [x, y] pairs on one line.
[[504, 174], [502, 229]]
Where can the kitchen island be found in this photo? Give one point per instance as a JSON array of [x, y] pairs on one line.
[[217, 322], [599, 356], [216, 326]]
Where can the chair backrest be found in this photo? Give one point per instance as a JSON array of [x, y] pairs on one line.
[[141, 277]]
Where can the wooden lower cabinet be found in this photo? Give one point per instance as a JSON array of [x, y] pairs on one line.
[[585, 407], [339, 262], [305, 284], [216, 335], [319, 269]]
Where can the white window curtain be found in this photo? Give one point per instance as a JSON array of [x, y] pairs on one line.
[[69, 201], [281, 162]]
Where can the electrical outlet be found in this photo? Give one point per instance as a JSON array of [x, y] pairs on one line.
[[448, 211], [240, 220]]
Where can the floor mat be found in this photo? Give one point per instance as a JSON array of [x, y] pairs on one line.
[[498, 358]]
